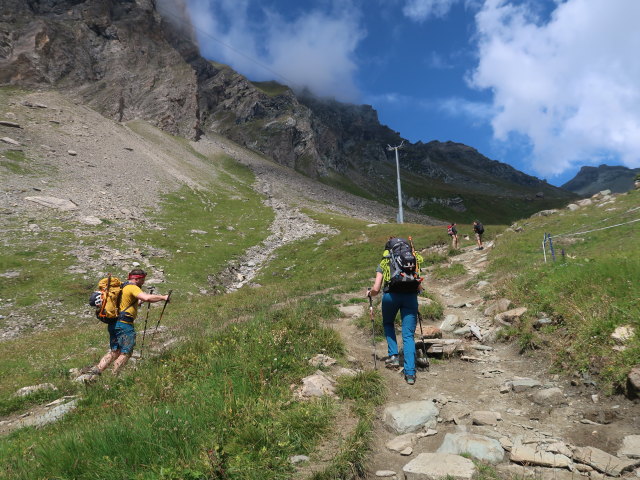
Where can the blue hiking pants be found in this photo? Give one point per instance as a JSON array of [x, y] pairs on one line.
[[407, 303]]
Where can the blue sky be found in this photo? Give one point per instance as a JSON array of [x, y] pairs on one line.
[[544, 85]]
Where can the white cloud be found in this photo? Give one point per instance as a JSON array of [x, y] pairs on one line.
[[315, 50], [420, 10], [456, 106], [570, 83]]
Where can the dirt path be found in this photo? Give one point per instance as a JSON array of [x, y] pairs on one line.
[[461, 387]]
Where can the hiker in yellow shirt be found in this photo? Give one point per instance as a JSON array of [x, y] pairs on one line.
[[122, 334]]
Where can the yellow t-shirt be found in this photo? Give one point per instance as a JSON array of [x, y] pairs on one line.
[[129, 300]]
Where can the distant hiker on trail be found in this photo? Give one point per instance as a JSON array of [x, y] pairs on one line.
[[122, 335], [452, 231], [398, 277], [478, 229]]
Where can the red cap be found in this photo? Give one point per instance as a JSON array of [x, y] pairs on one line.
[[133, 277]]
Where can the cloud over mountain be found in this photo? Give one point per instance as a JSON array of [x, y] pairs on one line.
[[315, 49], [568, 83]]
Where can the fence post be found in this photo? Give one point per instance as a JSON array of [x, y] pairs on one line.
[[553, 253], [544, 248]]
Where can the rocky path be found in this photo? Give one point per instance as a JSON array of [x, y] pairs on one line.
[[500, 406]]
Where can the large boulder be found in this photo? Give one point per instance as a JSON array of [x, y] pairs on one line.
[[436, 466], [478, 446], [410, 417]]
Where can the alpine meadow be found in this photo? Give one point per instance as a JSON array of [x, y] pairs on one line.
[[265, 212]]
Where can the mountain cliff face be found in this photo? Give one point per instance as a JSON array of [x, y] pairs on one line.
[[590, 180], [126, 60]]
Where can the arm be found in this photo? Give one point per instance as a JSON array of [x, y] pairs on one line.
[[151, 298], [377, 285]]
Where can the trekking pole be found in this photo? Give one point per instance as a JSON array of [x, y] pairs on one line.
[[424, 348], [160, 318], [373, 330], [146, 318]]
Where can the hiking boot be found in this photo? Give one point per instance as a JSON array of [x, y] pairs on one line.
[[410, 379], [392, 362]]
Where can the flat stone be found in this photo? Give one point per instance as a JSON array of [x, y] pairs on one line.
[[478, 446], [401, 442], [24, 391], [90, 220], [53, 202], [630, 446], [10, 141], [51, 415], [407, 451], [436, 466], [7, 123], [385, 473], [573, 207], [73, 153], [527, 455], [549, 397], [410, 417], [450, 323], [523, 384], [601, 461], [559, 447], [485, 417]]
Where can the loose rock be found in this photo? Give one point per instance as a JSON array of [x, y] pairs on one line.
[[24, 391], [432, 466], [410, 417], [478, 446]]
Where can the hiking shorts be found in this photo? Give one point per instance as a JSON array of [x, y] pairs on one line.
[[123, 337]]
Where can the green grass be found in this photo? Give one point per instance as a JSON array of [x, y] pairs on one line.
[[271, 88], [219, 403], [591, 290], [15, 161]]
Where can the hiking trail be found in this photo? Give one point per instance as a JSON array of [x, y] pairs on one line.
[[533, 410]]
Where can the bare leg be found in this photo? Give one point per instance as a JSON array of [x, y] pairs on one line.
[[120, 362], [107, 359]]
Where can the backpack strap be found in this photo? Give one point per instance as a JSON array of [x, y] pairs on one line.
[[122, 312]]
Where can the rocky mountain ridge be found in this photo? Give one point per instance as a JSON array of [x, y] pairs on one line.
[[126, 60], [590, 180]]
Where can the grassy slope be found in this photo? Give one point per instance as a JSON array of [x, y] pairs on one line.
[[221, 402], [487, 208], [589, 292], [219, 405]]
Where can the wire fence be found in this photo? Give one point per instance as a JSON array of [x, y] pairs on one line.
[[548, 238]]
